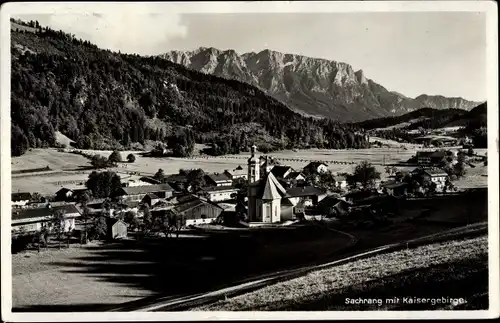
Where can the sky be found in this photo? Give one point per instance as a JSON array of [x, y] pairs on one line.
[[413, 53]]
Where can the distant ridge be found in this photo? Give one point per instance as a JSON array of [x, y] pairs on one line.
[[313, 86]]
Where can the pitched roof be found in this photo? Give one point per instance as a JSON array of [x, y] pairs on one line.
[[218, 177], [438, 154], [434, 172], [271, 189], [112, 221], [239, 168], [339, 178], [151, 180], [424, 153], [304, 191], [189, 202], [294, 174], [132, 190], [393, 184], [219, 188], [43, 212], [177, 178], [64, 190], [152, 196], [358, 194], [315, 164], [21, 196], [280, 171]]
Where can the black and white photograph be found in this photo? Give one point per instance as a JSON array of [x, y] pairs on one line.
[[220, 160]]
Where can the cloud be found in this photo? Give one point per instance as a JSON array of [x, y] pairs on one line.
[[125, 31], [131, 29]]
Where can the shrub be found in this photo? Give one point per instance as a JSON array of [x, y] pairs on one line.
[[131, 158]]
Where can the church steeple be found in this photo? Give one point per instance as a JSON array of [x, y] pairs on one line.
[[253, 167]]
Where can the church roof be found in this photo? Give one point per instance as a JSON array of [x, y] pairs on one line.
[[271, 189]]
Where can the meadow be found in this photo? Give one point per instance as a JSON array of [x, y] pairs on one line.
[[68, 169], [450, 266], [95, 276]]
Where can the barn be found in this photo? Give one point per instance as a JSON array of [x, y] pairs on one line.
[[117, 229]]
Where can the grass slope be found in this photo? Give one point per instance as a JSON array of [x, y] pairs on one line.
[[455, 269]]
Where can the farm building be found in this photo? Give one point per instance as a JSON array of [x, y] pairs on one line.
[[137, 193], [295, 176], [333, 206], [435, 175], [281, 171], [149, 180], [427, 158], [219, 193], [69, 194], [394, 188], [20, 199], [340, 181], [236, 173], [193, 209], [437, 140], [32, 219], [316, 167], [150, 199], [358, 195], [312, 195], [117, 229], [217, 179]]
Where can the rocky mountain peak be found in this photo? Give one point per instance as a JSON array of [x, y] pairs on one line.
[[314, 86]]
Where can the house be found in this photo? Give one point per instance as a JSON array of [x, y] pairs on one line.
[[236, 173], [20, 199], [394, 188], [219, 193], [435, 175], [217, 179], [137, 182], [117, 229], [340, 181], [149, 180], [137, 193], [280, 171], [316, 167], [150, 199], [310, 195], [33, 219], [194, 210], [69, 194], [426, 158], [333, 206], [295, 176], [358, 195]]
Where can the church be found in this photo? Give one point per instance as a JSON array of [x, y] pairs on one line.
[[265, 193]]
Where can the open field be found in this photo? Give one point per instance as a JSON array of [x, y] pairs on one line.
[[451, 266], [82, 278], [61, 161]]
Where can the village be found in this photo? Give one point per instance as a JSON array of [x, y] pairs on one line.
[[262, 193]]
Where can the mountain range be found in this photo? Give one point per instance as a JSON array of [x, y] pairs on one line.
[[312, 86]]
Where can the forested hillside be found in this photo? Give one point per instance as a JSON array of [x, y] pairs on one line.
[[471, 123], [107, 100], [432, 119]]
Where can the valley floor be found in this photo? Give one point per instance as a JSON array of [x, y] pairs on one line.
[[68, 170]]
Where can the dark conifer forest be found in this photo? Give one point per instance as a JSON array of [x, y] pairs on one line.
[[107, 100]]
